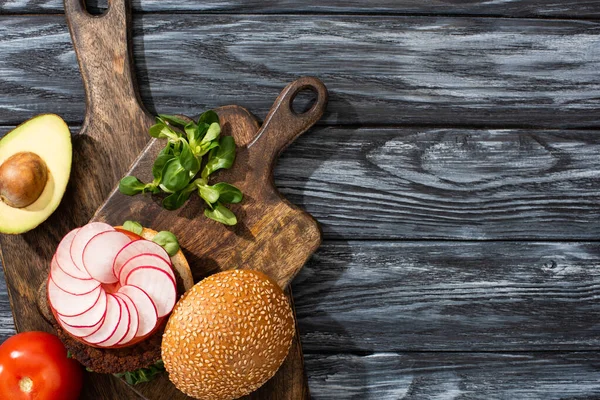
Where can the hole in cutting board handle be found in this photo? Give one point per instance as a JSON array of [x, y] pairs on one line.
[[96, 7], [304, 100]]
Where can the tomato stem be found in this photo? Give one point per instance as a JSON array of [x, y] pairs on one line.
[[26, 384]]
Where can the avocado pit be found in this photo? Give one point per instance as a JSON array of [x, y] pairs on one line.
[[23, 177]]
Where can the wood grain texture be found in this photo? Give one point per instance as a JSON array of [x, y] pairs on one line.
[[450, 296], [464, 376], [510, 8], [412, 70], [389, 183], [7, 325]]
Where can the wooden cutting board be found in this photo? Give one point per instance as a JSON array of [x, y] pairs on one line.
[[273, 235]]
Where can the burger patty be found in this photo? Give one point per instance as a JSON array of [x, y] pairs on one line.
[[106, 361]]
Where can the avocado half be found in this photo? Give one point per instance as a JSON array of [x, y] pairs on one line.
[[48, 137]]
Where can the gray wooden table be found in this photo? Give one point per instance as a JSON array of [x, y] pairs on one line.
[[456, 174]]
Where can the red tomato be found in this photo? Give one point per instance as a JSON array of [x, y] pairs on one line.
[[34, 365], [132, 236]]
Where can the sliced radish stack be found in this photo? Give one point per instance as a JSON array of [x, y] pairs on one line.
[[82, 238], [68, 304], [82, 331], [64, 260], [70, 284], [145, 260], [89, 318], [107, 289], [110, 324], [136, 248], [158, 287], [100, 252], [133, 318], [122, 326], [148, 315]]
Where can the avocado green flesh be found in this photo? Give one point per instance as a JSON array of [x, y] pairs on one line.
[[47, 136]]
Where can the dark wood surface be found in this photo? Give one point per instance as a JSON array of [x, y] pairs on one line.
[[459, 206], [441, 71], [511, 8]]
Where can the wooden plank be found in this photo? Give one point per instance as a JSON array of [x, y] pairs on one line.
[[450, 296], [7, 326], [511, 8], [400, 183], [380, 70], [446, 183], [468, 376]]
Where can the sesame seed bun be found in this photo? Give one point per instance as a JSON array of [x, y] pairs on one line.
[[228, 335]]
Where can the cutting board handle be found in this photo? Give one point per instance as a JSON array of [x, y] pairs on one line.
[[103, 48], [283, 125]]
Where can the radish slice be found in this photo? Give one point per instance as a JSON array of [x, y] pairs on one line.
[[122, 327], [145, 260], [100, 252], [148, 316], [64, 260], [82, 238], [110, 324], [136, 248], [134, 321], [68, 304], [81, 331], [157, 284], [89, 318], [69, 284]]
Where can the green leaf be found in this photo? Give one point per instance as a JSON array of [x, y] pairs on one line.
[[155, 130], [221, 214], [187, 158], [206, 147], [228, 193], [213, 132], [208, 117], [167, 150], [173, 120], [178, 199], [130, 186], [190, 129], [168, 241], [161, 130], [159, 165], [220, 157], [209, 194], [133, 226], [143, 374], [195, 136], [175, 176]]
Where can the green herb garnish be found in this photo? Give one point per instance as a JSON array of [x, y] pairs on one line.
[[134, 227], [143, 374], [193, 152], [168, 241]]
